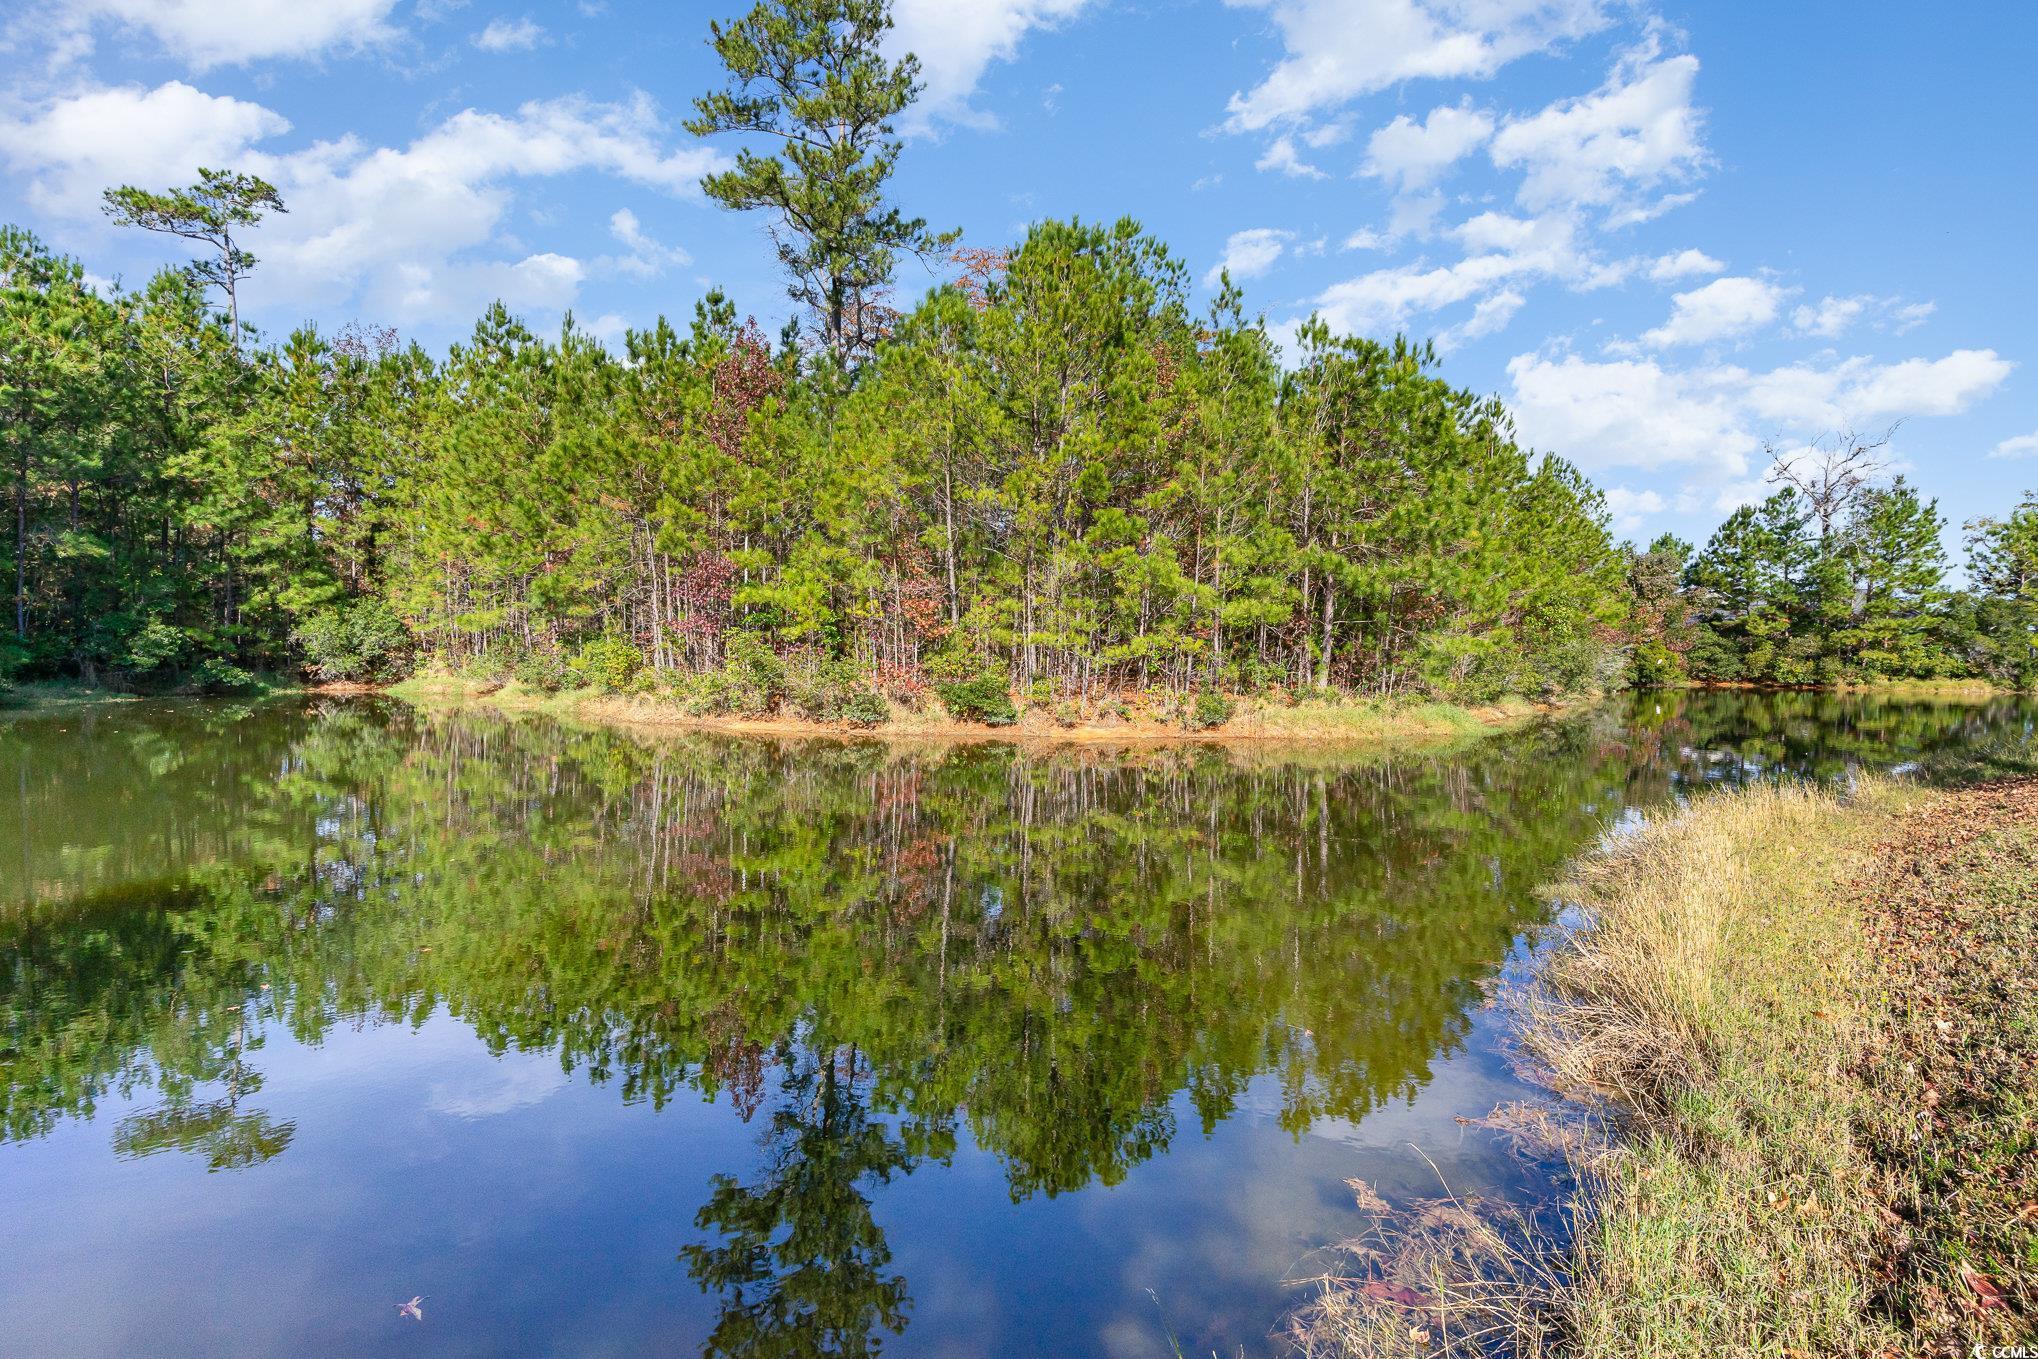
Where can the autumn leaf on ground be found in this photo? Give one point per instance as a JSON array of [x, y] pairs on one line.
[[1400, 1294], [1987, 1292]]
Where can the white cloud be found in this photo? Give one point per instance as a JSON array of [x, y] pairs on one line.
[[1249, 253], [956, 40], [2022, 446], [437, 291], [1641, 210], [72, 150], [1628, 413], [509, 35], [1415, 214], [1412, 155], [1911, 315], [207, 33], [1489, 317], [1329, 134], [647, 258], [1724, 497], [1683, 264], [1722, 309], [1832, 316], [394, 229], [1338, 50], [1640, 413], [1281, 155], [1635, 132], [1505, 253], [1630, 508], [1915, 386]]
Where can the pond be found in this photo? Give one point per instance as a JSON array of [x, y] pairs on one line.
[[610, 1044]]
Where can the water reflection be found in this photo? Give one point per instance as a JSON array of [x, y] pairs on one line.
[[867, 956]]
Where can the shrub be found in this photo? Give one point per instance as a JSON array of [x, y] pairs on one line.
[[495, 666], [1654, 665], [217, 676], [753, 675], [363, 640], [543, 671], [983, 698], [608, 663], [865, 708], [1211, 709], [1467, 668], [153, 645], [836, 691]]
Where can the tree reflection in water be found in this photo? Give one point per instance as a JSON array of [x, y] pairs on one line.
[[876, 948]]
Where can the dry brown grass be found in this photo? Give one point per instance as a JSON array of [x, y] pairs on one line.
[[1707, 1023]]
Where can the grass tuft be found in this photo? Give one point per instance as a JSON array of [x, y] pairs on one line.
[[1799, 1031]]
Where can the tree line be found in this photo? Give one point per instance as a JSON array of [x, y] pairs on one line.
[[1835, 578], [1051, 477]]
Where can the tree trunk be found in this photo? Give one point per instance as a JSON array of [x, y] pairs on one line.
[[21, 549], [1329, 622], [948, 518]]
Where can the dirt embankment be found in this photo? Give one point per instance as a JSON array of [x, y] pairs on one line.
[[1356, 722]]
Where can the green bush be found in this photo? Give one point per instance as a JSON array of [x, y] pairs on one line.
[[1211, 709], [836, 691], [543, 671], [13, 660], [493, 667], [608, 663], [363, 640], [865, 708], [1654, 665], [152, 646], [751, 682], [1466, 668], [217, 676], [982, 698]]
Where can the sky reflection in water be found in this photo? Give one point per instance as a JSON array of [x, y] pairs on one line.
[[610, 1045]]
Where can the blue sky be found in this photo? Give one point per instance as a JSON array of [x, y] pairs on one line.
[[1666, 235]]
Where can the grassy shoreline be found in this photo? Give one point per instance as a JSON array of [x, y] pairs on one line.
[[1798, 1033], [1351, 721]]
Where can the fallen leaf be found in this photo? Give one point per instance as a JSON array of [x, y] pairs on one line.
[[1399, 1294], [1987, 1292], [1368, 1200]]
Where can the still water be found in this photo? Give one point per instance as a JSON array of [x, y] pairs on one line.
[[615, 1045]]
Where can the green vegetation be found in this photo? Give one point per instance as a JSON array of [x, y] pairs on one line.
[[1803, 1026], [1836, 580], [1049, 478]]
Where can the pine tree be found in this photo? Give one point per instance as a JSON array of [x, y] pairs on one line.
[[812, 74]]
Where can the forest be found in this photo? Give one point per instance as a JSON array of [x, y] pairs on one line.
[[1050, 481]]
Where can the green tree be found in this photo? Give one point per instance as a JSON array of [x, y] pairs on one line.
[[812, 75], [212, 212], [2002, 564], [1660, 629], [1897, 594]]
